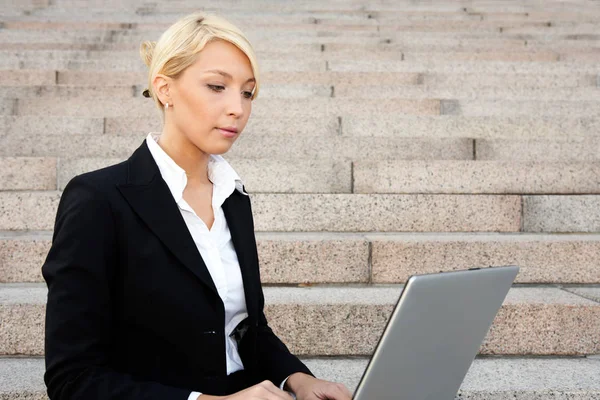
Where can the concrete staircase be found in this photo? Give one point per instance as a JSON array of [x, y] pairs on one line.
[[390, 138]]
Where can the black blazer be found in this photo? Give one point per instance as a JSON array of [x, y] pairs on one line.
[[132, 311]]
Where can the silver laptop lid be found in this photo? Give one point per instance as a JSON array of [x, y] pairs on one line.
[[434, 333]]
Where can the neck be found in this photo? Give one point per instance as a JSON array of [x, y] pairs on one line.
[[185, 154]]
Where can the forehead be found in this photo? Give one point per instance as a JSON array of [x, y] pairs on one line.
[[223, 56]]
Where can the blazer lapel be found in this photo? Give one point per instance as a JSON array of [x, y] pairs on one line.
[[149, 196], [239, 220]]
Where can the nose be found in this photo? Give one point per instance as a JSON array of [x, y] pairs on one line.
[[235, 103]]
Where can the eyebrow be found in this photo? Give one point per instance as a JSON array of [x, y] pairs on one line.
[[218, 71]]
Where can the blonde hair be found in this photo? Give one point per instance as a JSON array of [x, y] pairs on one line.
[[178, 46]]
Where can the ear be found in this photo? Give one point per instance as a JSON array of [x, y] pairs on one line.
[[161, 84]]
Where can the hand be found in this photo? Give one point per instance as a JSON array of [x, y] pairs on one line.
[[261, 391], [307, 387]]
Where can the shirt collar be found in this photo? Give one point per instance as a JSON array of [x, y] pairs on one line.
[[220, 173]]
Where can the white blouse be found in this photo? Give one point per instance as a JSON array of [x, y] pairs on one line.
[[215, 245]]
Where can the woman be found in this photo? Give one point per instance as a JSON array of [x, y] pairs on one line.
[[153, 281]]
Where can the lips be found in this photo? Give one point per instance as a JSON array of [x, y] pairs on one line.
[[230, 129], [227, 133]]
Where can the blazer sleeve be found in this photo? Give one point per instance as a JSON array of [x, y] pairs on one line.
[[275, 360], [78, 331]]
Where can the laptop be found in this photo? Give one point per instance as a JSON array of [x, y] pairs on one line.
[[434, 334]]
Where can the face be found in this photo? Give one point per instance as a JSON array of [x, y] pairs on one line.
[[205, 100]]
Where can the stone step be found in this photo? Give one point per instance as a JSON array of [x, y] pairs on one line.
[[493, 378], [474, 107], [267, 108], [28, 173], [472, 92], [505, 81], [323, 176], [323, 321], [58, 92], [308, 107], [323, 125], [261, 37], [377, 125], [472, 177], [302, 90], [545, 128], [329, 23], [271, 7], [255, 35], [38, 125], [28, 77], [570, 149], [103, 60], [564, 45], [36, 210], [463, 67], [487, 378], [248, 146], [301, 258]]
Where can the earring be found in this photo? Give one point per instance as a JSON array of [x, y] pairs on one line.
[[167, 106]]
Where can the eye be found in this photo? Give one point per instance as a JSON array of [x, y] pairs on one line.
[[248, 95], [216, 88]]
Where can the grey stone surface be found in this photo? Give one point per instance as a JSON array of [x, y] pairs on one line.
[[312, 258], [36, 125], [400, 148], [27, 77], [569, 149], [27, 173], [493, 67], [348, 320], [8, 106], [105, 146], [508, 81], [476, 127], [268, 77], [258, 175], [322, 212], [275, 147], [284, 257], [22, 378], [561, 213], [578, 108], [470, 92], [28, 210], [299, 176], [493, 379], [22, 255], [591, 293], [319, 125], [62, 92], [303, 257], [483, 55], [82, 78], [266, 108], [542, 258], [385, 212], [471, 177]]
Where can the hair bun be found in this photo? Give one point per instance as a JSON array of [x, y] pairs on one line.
[[147, 51]]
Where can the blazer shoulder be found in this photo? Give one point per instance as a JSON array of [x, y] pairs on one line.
[[103, 178]]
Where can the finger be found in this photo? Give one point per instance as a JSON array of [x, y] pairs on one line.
[[337, 391], [345, 390]]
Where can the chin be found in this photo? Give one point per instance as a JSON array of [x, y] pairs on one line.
[[220, 149]]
